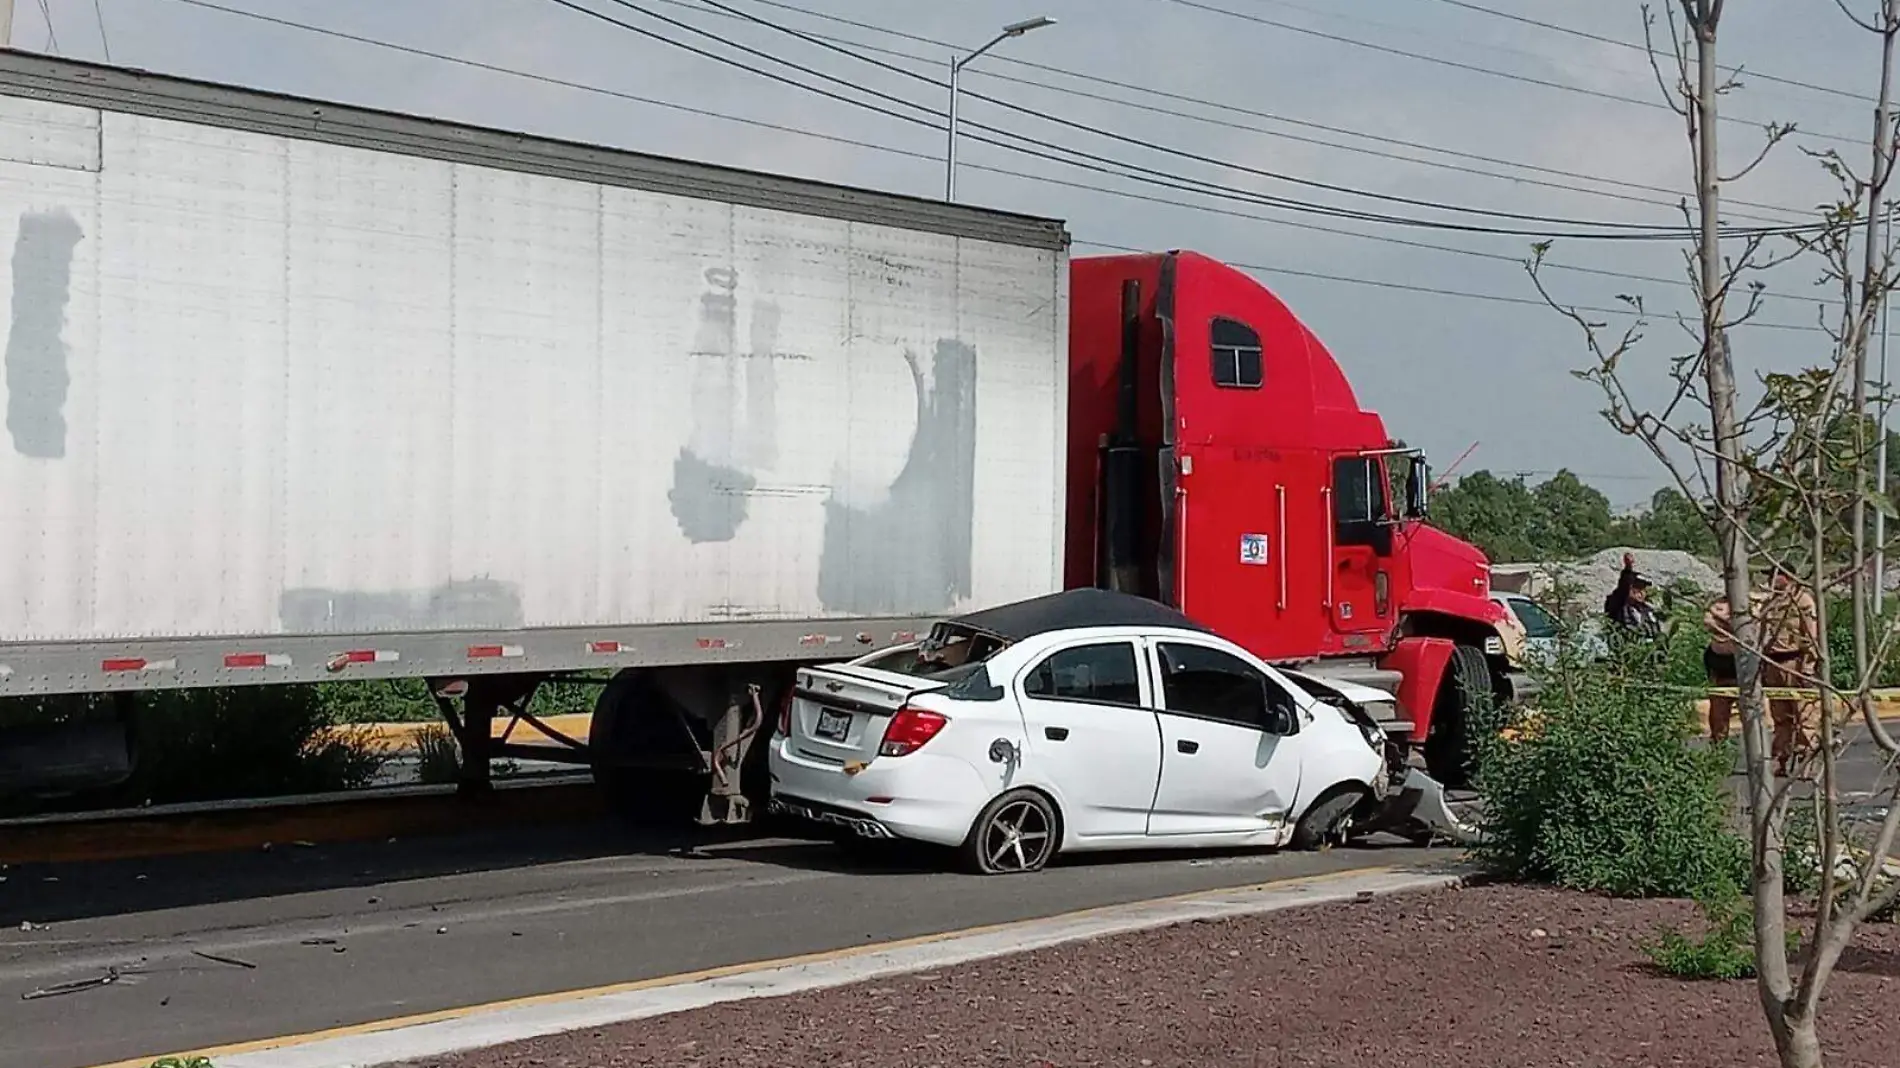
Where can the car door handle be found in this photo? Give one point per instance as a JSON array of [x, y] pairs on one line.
[[1055, 734], [1186, 746]]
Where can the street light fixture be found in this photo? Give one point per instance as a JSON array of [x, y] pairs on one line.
[[1014, 29]]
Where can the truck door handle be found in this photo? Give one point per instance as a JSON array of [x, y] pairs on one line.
[[1055, 734], [1186, 746]]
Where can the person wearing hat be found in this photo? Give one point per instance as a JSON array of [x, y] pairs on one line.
[[1628, 605]]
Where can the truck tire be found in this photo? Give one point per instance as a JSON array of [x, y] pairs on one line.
[[1462, 699], [629, 724]]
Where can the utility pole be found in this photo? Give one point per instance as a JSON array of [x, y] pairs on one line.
[[1014, 29], [6, 23]]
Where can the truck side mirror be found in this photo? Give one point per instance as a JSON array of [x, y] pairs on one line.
[[1418, 488]]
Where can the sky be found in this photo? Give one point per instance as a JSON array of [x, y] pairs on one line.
[[1397, 98]]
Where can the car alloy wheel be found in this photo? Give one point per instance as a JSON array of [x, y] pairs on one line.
[[1015, 834]]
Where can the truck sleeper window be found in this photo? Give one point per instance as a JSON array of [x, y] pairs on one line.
[[1236, 355]]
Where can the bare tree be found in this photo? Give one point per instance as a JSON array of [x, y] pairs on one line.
[[1784, 482]]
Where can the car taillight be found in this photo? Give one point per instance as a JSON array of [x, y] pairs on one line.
[[785, 714], [909, 730]]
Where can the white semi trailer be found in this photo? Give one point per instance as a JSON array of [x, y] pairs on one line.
[[299, 392]]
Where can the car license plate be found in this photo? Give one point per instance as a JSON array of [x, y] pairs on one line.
[[832, 725]]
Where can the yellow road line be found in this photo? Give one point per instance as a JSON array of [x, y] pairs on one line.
[[822, 957]]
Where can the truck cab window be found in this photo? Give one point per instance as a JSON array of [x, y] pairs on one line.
[[1236, 355], [1360, 503]]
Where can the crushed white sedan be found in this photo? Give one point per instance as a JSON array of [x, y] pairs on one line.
[[1086, 720]]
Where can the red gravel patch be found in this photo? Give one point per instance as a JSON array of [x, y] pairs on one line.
[[1493, 977]]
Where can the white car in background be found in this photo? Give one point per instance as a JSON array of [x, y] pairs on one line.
[[1085, 720], [1543, 632]]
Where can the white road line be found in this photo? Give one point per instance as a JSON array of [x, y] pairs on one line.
[[484, 1027]]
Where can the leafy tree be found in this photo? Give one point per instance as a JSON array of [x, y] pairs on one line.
[[1569, 519]]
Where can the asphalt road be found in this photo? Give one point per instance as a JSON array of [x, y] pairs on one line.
[[321, 937]]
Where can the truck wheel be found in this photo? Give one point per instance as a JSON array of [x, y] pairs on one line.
[[632, 727], [1014, 834], [1462, 699]]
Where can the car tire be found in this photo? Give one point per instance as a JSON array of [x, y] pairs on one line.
[[1015, 834], [1328, 820], [1461, 702]]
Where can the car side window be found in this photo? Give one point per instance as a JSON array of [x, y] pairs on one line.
[[1102, 674], [1211, 684]]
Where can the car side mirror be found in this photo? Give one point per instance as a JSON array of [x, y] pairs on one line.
[[1277, 718]]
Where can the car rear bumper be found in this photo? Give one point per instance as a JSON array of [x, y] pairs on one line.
[[922, 797]]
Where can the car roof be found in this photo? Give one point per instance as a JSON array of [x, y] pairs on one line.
[[1074, 610]]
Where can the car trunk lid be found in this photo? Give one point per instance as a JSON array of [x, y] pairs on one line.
[[839, 713]]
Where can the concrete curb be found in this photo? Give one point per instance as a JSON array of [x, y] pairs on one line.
[[439, 1034]]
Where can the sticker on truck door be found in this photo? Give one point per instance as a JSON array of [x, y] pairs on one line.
[[1253, 549]]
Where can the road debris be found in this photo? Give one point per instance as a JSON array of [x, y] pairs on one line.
[[232, 961], [76, 986]]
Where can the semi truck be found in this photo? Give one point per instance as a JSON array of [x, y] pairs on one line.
[[299, 392]]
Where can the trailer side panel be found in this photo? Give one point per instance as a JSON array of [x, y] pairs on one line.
[[282, 388]]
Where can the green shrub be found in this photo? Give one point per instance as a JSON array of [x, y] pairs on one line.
[[379, 701], [1601, 791], [438, 756], [1725, 950], [182, 1062], [213, 745], [264, 741]]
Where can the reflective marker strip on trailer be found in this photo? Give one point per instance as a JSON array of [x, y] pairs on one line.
[[135, 663], [363, 656], [717, 643], [494, 652], [608, 648], [821, 639], [242, 661]]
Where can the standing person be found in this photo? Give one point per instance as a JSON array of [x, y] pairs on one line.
[[1628, 605], [1718, 663], [1791, 644]]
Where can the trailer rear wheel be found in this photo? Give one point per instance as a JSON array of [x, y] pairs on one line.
[[1462, 700], [644, 763]]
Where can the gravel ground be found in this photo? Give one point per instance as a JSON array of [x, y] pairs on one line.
[[1492, 977]]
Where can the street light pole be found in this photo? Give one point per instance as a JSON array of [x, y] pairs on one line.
[[1014, 29], [6, 24]]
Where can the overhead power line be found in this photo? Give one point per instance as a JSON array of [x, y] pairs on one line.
[[1412, 287], [1228, 124], [1615, 230], [806, 132], [1230, 108], [1645, 49], [1149, 145], [1474, 68]]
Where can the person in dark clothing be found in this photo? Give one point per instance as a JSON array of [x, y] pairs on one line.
[[1628, 605]]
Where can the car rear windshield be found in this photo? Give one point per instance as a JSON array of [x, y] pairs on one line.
[[951, 655]]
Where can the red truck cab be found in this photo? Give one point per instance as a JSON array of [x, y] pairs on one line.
[[1219, 462]]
